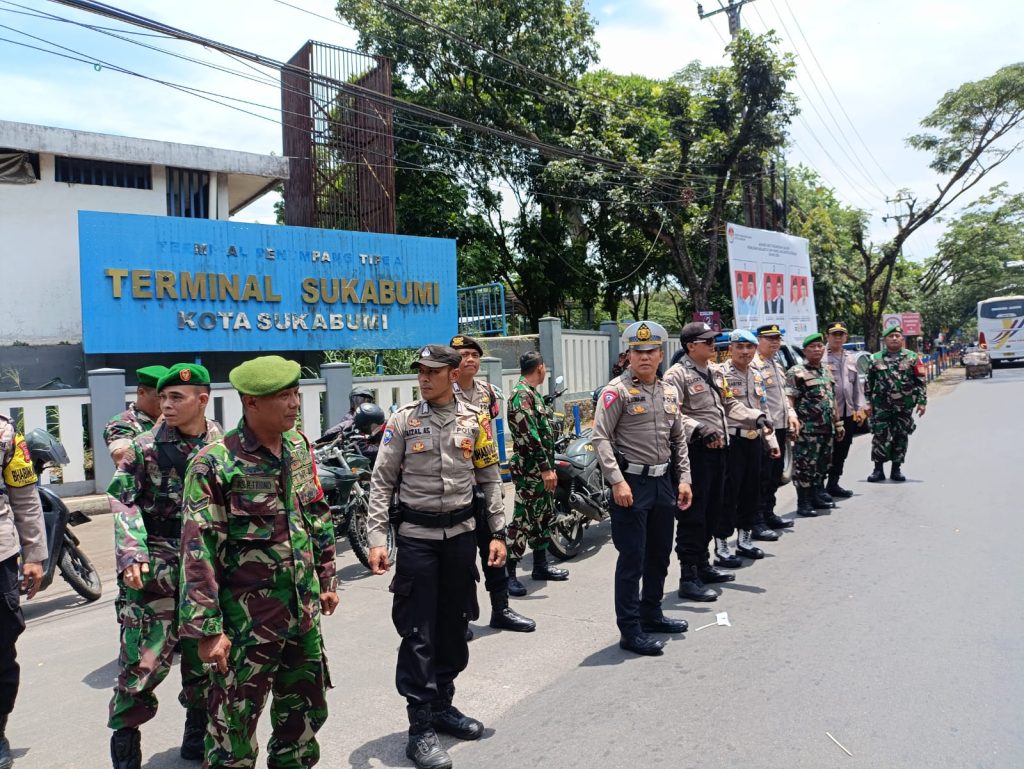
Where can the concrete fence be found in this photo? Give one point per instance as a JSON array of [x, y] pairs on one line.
[[77, 417]]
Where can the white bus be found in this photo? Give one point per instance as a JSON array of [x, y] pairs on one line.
[[1001, 327]]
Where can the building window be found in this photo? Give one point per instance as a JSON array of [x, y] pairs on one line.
[[188, 193], [17, 167], [102, 172]]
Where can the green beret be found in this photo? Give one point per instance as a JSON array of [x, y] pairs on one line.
[[265, 375], [149, 376], [184, 374], [812, 338], [893, 329]]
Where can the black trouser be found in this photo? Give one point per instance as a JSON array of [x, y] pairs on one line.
[[642, 535], [841, 449], [12, 624], [743, 491], [495, 577], [696, 525], [435, 598], [771, 474]]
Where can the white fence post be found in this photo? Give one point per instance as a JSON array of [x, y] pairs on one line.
[[551, 350], [106, 394], [338, 380]]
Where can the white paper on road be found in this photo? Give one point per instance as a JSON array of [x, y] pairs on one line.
[[722, 618]]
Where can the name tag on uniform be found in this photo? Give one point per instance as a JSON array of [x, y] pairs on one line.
[[254, 484]]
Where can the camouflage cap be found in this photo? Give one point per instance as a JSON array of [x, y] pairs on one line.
[[265, 375], [149, 376], [644, 335], [769, 329], [893, 329], [817, 336], [184, 374], [436, 356], [463, 342]]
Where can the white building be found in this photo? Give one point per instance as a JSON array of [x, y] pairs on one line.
[[48, 175]]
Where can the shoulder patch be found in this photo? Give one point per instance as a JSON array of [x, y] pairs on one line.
[[609, 397]]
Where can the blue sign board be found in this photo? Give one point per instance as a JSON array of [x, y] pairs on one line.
[[166, 284]]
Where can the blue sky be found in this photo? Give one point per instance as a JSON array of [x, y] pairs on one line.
[[868, 72]]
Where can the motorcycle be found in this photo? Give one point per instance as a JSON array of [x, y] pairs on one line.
[[582, 495], [345, 477], [64, 551]]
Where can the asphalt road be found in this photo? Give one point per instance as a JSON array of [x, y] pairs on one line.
[[890, 624]]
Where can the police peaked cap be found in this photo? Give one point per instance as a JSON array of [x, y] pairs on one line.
[[837, 328], [184, 374], [265, 375], [644, 335], [436, 356], [769, 329], [463, 342], [149, 376]]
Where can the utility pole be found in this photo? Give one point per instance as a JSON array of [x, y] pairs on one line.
[[732, 10]]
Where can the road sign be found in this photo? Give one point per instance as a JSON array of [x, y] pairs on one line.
[[911, 324]]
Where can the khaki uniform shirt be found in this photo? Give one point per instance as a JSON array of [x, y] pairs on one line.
[[775, 389], [482, 396], [849, 395], [711, 407], [748, 388], [434, 458], [21, 512], [644, 423]]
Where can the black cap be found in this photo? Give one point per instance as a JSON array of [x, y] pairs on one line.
[[463, 342], [837, 327], [769, 329], [436, 356], [694, 331]]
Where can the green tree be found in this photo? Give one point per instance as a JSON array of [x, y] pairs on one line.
[[969, 133]]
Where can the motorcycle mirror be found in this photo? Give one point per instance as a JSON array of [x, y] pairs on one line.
[[558, 380]]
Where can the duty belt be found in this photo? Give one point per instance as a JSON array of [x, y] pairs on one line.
[[654, 471], [748, 434], [435, 520], [166, 528]]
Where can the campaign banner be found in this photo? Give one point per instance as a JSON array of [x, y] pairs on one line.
[[712, 317], [168, 284], [771, 281]]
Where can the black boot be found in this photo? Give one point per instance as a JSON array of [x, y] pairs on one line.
[[746, 547], [504, 618], [6, 760], [423, 748], [895, 474], [835, 490], [820, 500], [448, 719], [469, 634], [126, 749], [774, 522], [192, 742], [542, 570], [763, 533], [804, 506], [878, 474], [691, 586], [709, 575], [516, 589]]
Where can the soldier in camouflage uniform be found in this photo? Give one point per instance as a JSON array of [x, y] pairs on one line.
[[139, 417], [487, 398], [533, 470], [897, 383], [145, 498], [257, 570], [811, 392]]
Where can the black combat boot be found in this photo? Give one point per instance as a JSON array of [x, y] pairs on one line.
[[516, 589], [505, 618], [804, 506], [878, 474], [895, 474], [835, 490], [126, 749], [691, 586], [192, 741], [774, 522], [709, 575], [6, 760], [746, 547], [423, 748], [448, 719], [763, 533], [542, 570], [724, 556], [820, 500]]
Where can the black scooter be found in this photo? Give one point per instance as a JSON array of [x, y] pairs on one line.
[[582, 495], [63, 547]]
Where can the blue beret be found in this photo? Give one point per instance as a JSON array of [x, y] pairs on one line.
[[742, 335]]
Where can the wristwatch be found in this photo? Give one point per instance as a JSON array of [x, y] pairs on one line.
[[499, 534]]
